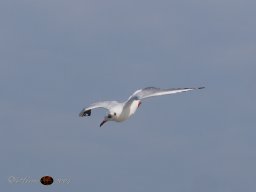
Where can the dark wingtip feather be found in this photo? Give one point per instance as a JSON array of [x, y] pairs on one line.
[[84, 113], [201, 87]]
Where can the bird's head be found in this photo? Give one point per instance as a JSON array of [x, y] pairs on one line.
[[109, 117]]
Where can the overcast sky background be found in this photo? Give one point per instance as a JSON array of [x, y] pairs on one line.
[[57, 56]]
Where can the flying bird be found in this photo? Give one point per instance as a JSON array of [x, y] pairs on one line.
[[120, 111]]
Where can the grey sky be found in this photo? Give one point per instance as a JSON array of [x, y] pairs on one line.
[[59, 56]]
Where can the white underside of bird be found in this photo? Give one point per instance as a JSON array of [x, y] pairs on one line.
[[120, 111]]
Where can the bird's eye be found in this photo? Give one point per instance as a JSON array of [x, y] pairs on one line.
[[115, 114]]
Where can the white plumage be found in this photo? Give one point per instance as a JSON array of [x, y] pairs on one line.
[[120, 111]]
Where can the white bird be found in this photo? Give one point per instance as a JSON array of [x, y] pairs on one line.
[[120, 111]]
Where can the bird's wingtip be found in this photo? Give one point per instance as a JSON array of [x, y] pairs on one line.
[[85, 113], [81, 114], [201, 87]]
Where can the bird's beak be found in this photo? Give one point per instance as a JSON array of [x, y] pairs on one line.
[[104, 121]]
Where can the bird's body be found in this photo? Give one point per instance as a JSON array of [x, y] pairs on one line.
[[120, 111], [128, 109]]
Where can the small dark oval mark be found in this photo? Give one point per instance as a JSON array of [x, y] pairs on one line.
[[46, 180], [88, 112]]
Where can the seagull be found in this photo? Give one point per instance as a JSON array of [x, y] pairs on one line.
[[121, 111]]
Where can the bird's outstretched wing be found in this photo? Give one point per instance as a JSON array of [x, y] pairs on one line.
[[153, 91], [103, 104]]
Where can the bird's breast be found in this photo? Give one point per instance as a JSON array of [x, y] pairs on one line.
[[128, 110]]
